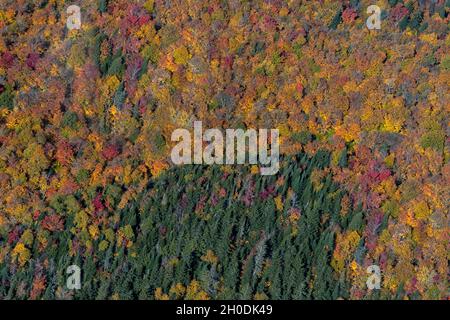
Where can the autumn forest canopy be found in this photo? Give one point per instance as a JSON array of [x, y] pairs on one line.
[[86, 178]]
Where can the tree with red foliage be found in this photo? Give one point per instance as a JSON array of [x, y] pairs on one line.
[[97, 202], [53, 222]]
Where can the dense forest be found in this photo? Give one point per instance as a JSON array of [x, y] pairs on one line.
[[86, 117], [202, 232]]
